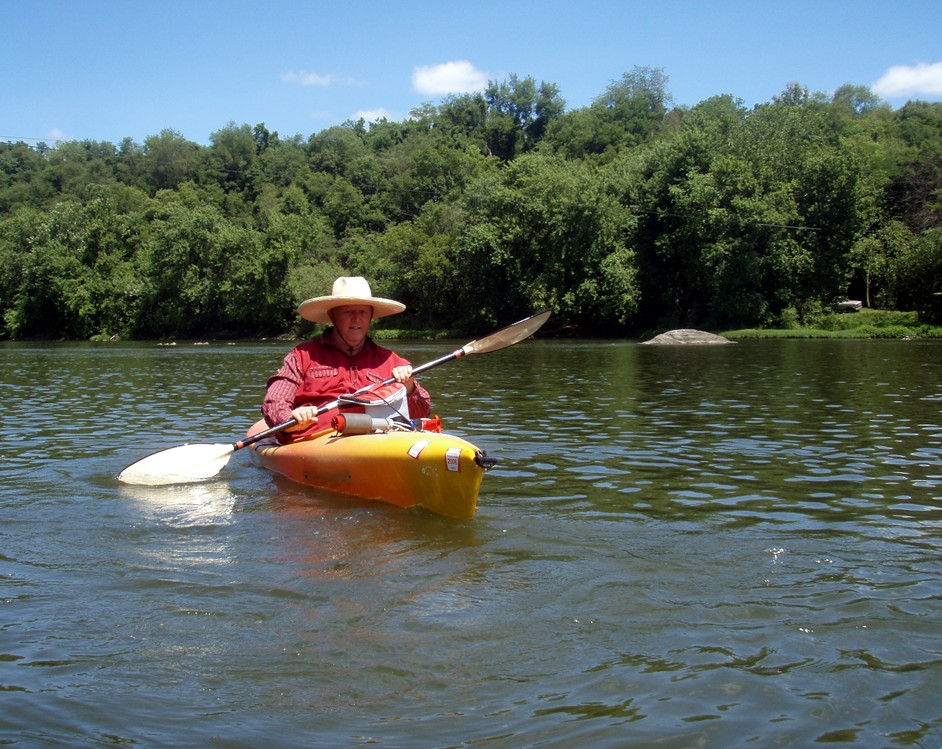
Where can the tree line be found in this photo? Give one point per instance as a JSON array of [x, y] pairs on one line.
[[629, 215]]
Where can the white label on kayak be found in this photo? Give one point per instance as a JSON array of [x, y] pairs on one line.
[[453, 459], [417, 447]]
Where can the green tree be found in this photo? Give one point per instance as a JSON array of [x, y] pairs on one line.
[[630, 112], [74, 165], [856, 100], [796, 150], [17, 229], [464, 117], [919, 276], [69, 271], [334, 149], [304, 240], [190, 253], [717, 118], [230, 162], [429, 169], [679, 210], [518, 114], [742, 218], [547, 233], [168, 160], [875, 262], [21, 177]]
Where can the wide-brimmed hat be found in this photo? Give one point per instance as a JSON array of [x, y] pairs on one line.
[[348, 290]]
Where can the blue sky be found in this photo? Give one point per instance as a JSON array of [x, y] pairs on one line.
[[109, 69]]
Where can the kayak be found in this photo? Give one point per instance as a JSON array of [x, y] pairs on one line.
[[408, 468]]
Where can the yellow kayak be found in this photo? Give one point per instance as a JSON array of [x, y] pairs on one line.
[[429, 469]]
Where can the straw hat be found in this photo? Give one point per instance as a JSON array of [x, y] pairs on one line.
[[348, 290]]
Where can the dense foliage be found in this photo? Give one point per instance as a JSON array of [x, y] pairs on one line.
[[628, 215]]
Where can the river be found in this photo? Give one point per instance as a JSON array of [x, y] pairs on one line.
[[700, 546]]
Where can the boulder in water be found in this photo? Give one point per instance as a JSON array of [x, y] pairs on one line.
[[686, 336]]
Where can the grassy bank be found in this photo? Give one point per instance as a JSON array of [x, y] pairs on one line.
[[867, 323]]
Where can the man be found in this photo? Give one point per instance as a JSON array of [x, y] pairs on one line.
[[343, 359]]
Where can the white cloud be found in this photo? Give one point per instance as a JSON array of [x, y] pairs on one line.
[[910, 80], [458, 77], [372, 115], [304, 78]]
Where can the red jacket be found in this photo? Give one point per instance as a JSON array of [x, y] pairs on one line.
[[316, 372]]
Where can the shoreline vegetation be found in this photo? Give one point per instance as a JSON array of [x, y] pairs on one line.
[[627, 218], [861, 325], [864, 324]]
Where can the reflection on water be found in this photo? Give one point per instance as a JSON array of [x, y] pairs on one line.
[[203, 502], [679, 546]]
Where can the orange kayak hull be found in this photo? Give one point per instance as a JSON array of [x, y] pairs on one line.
[[431, 470]]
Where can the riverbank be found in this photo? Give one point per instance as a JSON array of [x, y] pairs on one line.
[[867, 323], [864, 324]]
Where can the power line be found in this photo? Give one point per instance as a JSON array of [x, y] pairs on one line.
[[20, 139]]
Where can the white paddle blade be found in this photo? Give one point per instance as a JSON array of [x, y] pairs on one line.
[[178, 465]]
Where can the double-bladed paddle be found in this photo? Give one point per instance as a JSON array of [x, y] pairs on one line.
[[177, 465]]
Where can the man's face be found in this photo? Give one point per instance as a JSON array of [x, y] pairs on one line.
[[352, 322]]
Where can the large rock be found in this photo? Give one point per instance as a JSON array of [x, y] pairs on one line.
[[687, 336]]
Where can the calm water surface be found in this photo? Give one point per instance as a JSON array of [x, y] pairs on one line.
[[680, 547]]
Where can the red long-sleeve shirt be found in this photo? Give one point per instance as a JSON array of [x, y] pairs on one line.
[[317, 372]]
